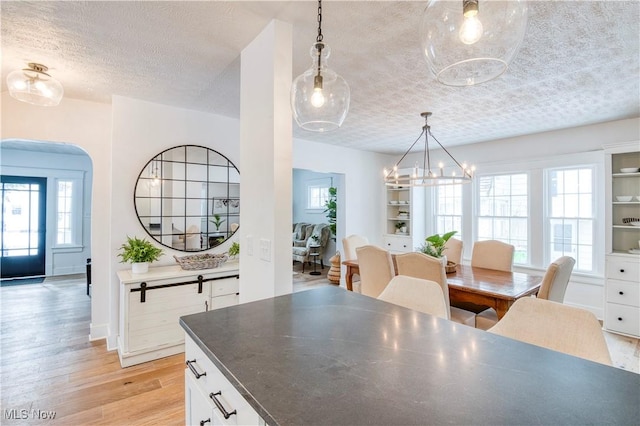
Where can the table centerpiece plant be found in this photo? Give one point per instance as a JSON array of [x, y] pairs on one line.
[[434, 245]]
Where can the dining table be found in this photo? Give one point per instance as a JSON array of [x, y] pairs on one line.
[[481, 286]]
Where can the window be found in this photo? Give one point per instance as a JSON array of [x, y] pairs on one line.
[[448, 214], [318, 193], [65, 212], [570, 215], [503, 212]]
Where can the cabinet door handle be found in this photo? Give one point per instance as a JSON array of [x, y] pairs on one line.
[[622, 270], [219, 405], [202, 422], [193, 369], [621, 293], [619, 318]]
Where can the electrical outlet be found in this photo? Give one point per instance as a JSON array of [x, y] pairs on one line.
[[249, 245], [265, 249]]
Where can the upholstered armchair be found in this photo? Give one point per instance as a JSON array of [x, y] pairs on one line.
[[301, 233], [301, 253]]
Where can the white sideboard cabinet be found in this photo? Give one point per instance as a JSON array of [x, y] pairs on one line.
[[622, 281], [152, 303]]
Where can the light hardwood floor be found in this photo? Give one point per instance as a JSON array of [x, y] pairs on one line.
[[48, 364]]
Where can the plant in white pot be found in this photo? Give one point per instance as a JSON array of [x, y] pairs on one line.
[[139, 252], [434, 246]]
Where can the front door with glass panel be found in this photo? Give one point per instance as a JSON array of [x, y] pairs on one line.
[[23, 226]]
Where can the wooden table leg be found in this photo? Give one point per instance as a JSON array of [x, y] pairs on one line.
[[348, 277], [502, 306]]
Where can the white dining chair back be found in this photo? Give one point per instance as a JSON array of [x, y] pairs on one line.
[[555, 326], [492, 254], [420, 265], [556, 279], [417, 294], [376, 269], [453, 250], [351, 243]]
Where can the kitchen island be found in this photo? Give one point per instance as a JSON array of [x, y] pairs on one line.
[[334, 357]]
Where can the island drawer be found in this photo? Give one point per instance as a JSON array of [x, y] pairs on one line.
[[225, 398]]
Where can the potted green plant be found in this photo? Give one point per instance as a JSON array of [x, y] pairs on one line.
[[234, 250], [139, 252], [331, 209], [434, 245], [401, 227], [217, 221]]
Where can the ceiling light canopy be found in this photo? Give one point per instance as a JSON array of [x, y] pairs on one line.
[[470, 42], [33, 85], [319, 96], [402, 175]]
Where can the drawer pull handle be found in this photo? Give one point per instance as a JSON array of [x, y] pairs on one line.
[[193, 369], [202, 422], [622, 270], [619, 318], [219, 405], [621, 293]]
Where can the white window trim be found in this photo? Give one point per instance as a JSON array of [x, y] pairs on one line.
[[76, 213], [313, 183]]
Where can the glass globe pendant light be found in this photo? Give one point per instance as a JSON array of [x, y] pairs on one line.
[[33, 85], [471, 41], [319, 96]]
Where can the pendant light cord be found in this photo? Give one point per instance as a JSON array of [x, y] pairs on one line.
[[319, 38]]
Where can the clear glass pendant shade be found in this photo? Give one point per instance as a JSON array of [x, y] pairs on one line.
[[466, 50], [33, 85], [320, 104]]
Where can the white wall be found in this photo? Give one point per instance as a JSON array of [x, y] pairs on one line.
[[88, 126], [59, 260], [140, 131]]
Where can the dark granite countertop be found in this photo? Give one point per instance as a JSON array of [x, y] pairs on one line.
[[328, 356]]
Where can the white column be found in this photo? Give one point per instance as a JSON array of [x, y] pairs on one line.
[[265, 158]]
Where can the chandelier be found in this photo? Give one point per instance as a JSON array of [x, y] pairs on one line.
[[33, 85], [426, 176], [319, 96], [470, 42]]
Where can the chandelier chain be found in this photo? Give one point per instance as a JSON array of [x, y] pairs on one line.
[[319, 37]]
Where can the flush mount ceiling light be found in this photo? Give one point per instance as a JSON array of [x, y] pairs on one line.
[[400, 175], [33, 85], [319, 96], [471, 41]]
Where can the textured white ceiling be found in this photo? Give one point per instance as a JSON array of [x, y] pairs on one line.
[[579, 63]]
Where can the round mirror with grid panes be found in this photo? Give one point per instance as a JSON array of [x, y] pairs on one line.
[[187, 198]]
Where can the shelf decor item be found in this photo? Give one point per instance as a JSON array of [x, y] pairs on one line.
[[139, 252], [201, 261]]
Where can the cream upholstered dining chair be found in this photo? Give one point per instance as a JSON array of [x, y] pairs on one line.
[[351, 243], [555, 326], [376, 269], [420, 265], [453, 250], [492, 254], [349, 246], [553, 287], [417, 294], [556, 279]]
